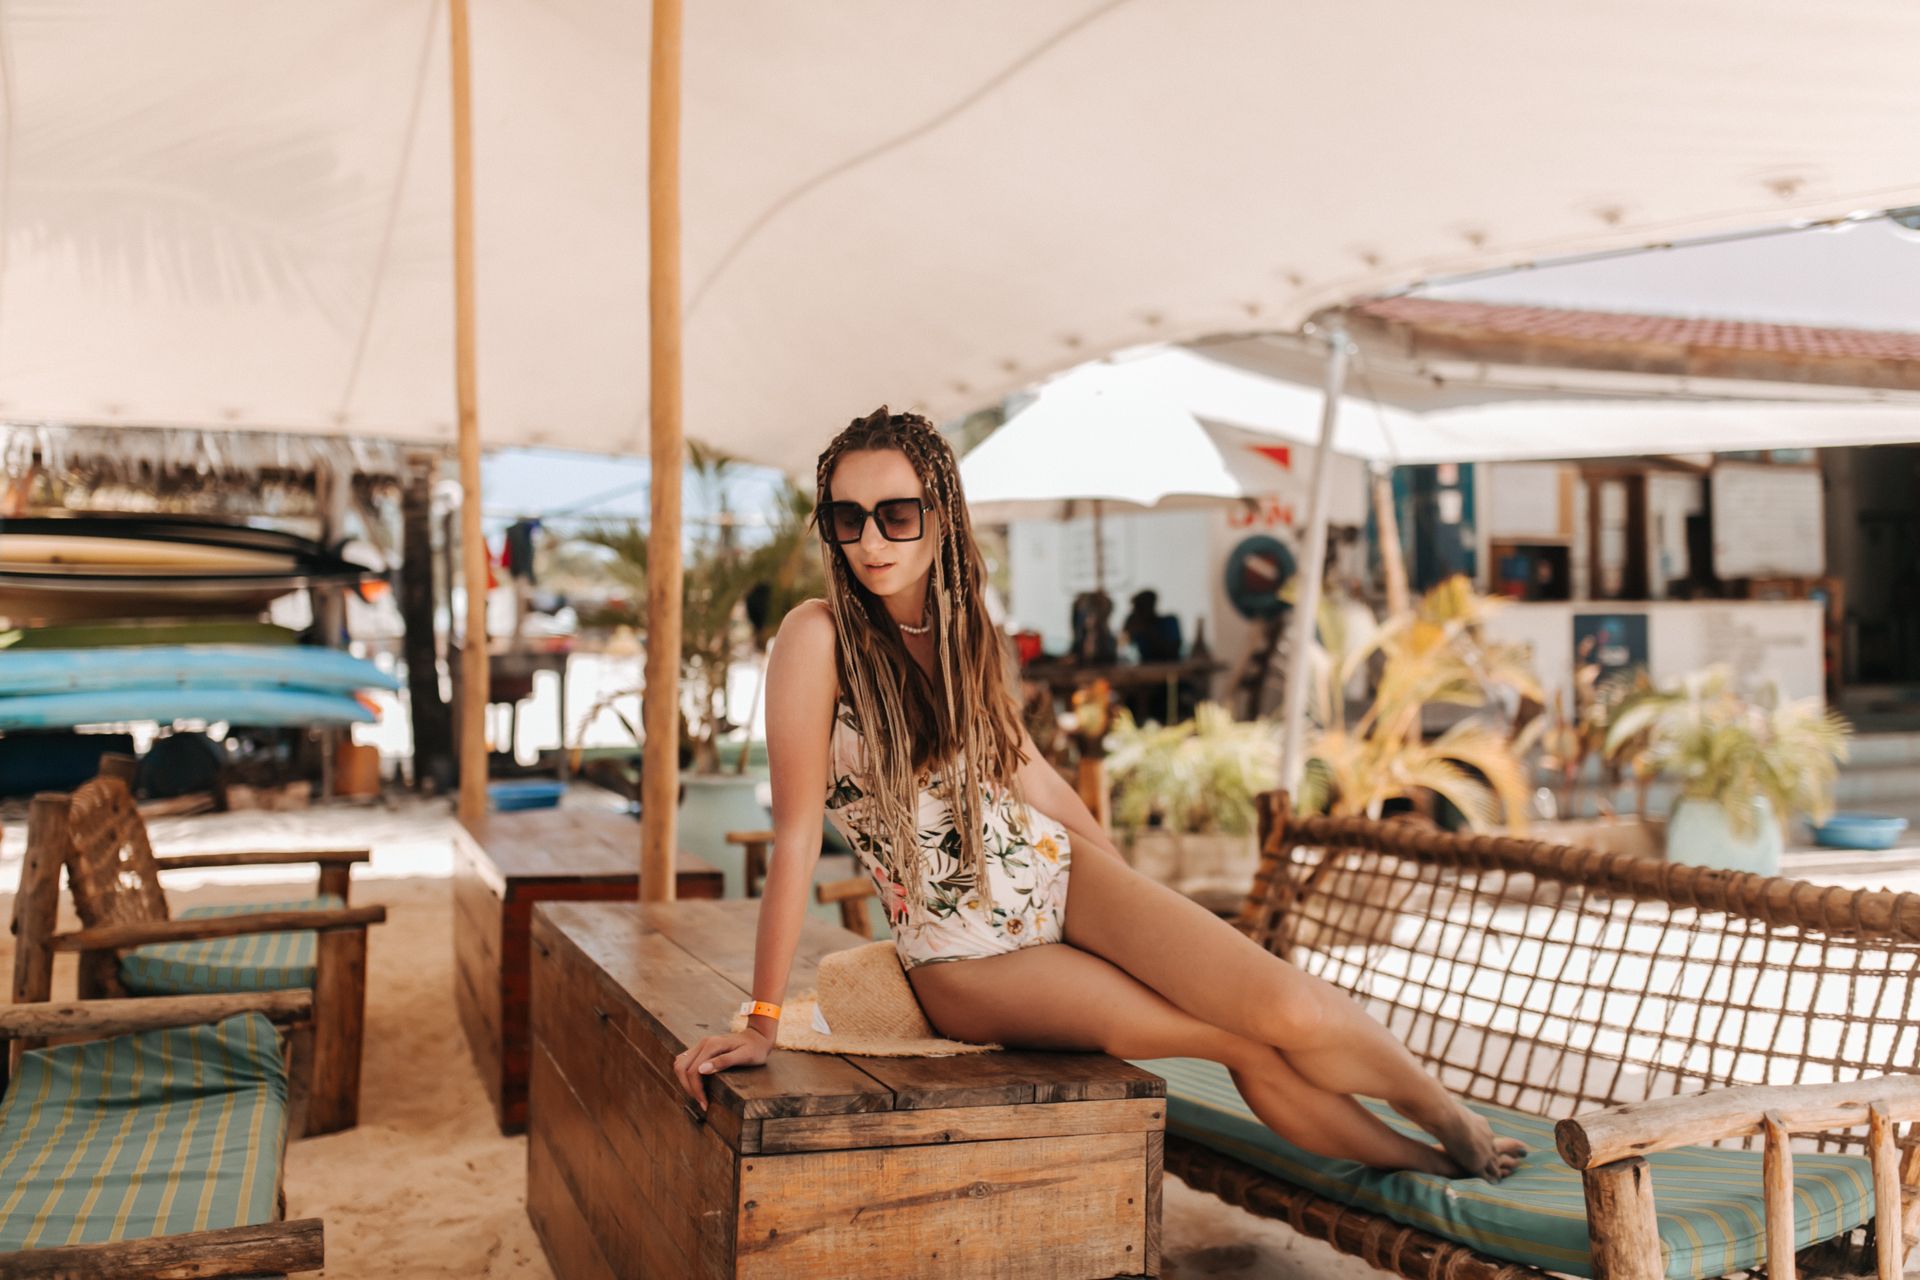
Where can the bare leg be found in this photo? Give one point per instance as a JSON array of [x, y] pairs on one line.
[[1057, 996], [1205, 966]]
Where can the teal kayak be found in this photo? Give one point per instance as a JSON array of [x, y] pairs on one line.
[[187, 667]]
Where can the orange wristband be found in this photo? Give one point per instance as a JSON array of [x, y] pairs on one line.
[[763, 1008]]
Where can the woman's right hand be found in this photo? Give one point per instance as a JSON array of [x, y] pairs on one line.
[[747, 1048]]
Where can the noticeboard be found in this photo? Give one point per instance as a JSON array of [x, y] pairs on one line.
[[1769, 521]]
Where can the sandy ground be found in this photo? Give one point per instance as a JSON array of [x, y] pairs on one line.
[[426, 1186]]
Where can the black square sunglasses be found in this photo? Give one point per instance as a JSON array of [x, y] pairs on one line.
[[899, 520]]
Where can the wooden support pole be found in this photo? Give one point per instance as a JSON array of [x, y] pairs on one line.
[[473, 547], [431, 717], [1623, 1230], [36, 907], [1888, 1235], [1393, 560], [1776, 1188], [660, 761]]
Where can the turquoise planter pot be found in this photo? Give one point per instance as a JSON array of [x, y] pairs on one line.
[[1699, 833], [716, 804]]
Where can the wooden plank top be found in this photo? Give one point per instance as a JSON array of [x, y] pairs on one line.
[[681, 969], [600, 845]]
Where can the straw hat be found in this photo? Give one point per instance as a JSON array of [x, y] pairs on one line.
[[863, 1005]]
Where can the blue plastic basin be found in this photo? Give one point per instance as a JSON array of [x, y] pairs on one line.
[[1859, 831], [509, 796]]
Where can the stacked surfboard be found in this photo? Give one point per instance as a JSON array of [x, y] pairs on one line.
[[253, 685], [60, 569], [119, 619]]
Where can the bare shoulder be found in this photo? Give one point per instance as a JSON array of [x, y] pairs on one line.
[[809, 618], [804, 649]]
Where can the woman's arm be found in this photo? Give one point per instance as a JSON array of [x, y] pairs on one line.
[[800, 697], [1054, 796]]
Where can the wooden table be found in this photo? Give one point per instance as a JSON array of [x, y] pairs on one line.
[[500, 870], [1002, 1164]]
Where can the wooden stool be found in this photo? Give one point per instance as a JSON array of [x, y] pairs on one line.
[[851, 894], [755, 845]]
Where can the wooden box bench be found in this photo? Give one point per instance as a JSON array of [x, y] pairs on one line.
[[501, 868], [1005, 1164], [1650, 1008]]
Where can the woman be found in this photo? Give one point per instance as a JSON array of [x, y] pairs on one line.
[[1016, 919]]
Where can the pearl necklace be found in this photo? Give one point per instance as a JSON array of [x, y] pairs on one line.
[[926, 622]]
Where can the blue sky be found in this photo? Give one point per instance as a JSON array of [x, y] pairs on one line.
[[567, 487]]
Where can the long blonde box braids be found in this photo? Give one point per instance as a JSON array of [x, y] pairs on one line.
[[974, 740]]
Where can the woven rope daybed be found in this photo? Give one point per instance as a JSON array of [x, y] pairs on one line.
[[1594, 988]]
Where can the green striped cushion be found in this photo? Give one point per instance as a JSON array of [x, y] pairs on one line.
[[251, 962], [143, 1135], [1712, 1218]]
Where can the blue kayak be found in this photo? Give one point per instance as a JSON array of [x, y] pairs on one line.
[[259, 707], [187, 667]]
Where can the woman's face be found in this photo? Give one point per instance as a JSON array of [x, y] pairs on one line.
[[870, 477]]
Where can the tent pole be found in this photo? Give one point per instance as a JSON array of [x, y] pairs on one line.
[[474, 678], [1306, 609], [660, 759]]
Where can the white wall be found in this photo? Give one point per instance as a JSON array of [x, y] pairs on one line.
[[1763, 640]]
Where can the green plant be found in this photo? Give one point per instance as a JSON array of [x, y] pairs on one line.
[[1196, 777], [719, 575], [1572, 739], [1434, 653], [1731, 750]]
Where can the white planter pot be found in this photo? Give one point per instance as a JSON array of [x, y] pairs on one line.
[[1700, 833]]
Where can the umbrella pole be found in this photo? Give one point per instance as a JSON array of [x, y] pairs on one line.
[[660, 757], [1306, 610], [1099, 551], [474, 677]]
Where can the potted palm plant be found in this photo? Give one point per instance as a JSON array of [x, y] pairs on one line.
[[1183, 796], [1745, 766], [1433, 654]]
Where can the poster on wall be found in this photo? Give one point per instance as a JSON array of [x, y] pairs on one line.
[[1615, 642]]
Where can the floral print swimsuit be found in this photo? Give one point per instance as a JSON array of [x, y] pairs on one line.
[[1025, 900]]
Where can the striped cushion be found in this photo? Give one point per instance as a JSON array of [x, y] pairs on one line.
[[1712, 1218], [143, 1135], [251, 962]]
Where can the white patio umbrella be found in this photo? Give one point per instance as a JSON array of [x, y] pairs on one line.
[[1099, 434]]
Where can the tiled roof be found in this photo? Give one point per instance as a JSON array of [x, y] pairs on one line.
[[1493, 320]]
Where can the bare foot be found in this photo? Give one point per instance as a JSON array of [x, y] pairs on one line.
[[1473, 1148]]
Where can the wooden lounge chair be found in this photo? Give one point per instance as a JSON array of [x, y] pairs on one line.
[[157, 1150], [130, 947], [1645, 1000]]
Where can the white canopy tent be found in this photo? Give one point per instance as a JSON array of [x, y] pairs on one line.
[[235, 213]]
